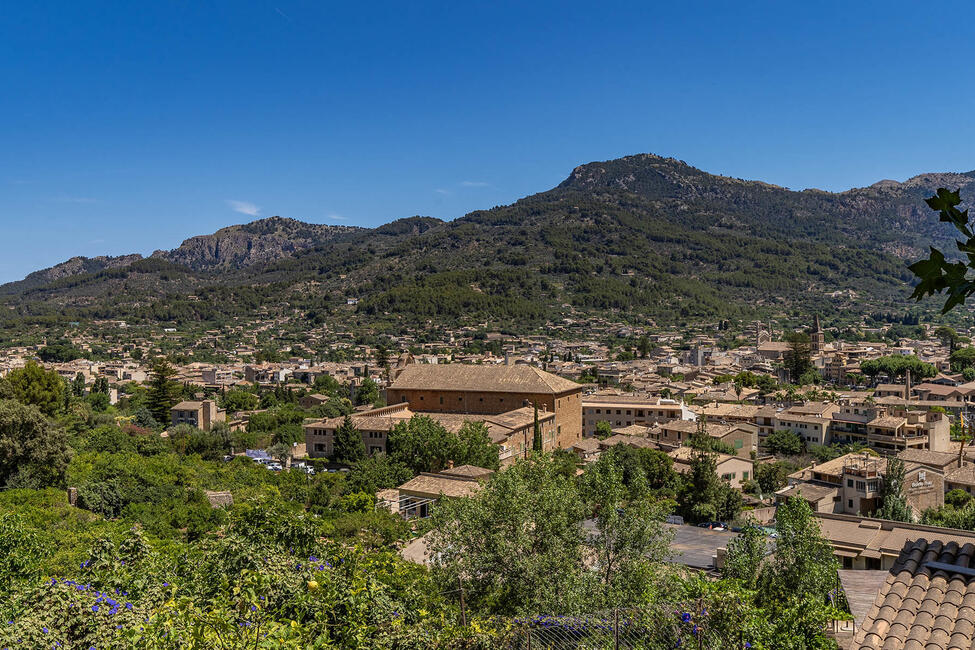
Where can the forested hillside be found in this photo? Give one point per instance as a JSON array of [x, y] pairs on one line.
[[649, 237]]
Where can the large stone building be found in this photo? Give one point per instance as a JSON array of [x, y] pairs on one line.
[[487, 390]]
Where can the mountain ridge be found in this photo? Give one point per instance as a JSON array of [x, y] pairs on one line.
[[649, 236]]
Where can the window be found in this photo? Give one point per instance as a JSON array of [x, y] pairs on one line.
[[849, 482], [861, 486], [744, 476], [441, 399], [739, 443], [849, 503]]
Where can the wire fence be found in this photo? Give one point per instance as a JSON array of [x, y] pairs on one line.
[[652, 628]]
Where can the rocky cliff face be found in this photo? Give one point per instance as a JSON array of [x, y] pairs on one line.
[[73, 266], [258, 242]]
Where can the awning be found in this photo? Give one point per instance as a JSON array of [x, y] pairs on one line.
[[842, 553], [871, 553]]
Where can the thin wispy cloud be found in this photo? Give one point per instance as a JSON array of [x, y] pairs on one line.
[[243, 207], [473, 184], [336, 217], [282, 14], [441, 190]]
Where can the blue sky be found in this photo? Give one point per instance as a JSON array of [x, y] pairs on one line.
[[126, 127]]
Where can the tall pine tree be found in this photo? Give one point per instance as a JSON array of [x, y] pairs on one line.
[[162, 390], [347, 446]]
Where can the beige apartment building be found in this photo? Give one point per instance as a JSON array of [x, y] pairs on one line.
[[890, 429], [742, 437], [628, 410]]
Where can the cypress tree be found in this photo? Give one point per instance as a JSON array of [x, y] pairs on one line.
[[537, 438]]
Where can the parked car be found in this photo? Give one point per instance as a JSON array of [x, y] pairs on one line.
[[274, 466]]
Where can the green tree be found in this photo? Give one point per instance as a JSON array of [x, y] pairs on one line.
[[348, 446], [240, 400], [784, 442], [377, 472], [367, 392], [893, 503], [936, 274], [536, 433], [803, 563], [516, 545], [474, 447], [33, 451], [745, 555], [421, 444], [78, 385], [798, 357], [771, 476], [629, 536], [38, 387], [281, 452], [603, 429], [948, 336], [162, 392], [704, 496]]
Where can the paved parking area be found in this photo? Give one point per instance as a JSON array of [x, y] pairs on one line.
[[694, 547]]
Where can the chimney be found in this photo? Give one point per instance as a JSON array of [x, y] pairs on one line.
[[907, 390]]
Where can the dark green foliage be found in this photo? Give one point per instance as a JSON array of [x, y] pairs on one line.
[[704, 496], [771, 476], [937, 274], [474, 447], [784, 442], [797, 357], [378, 472], [367, 392], [603, 429], [162, 392], [893, 503], [348, 446], [38, 387], [536, 433], [239, 400], [59, 352], [897, 365], [33, 452], [424, 445]]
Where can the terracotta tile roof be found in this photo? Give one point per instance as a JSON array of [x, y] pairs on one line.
[[496, 379], [924, 607]]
